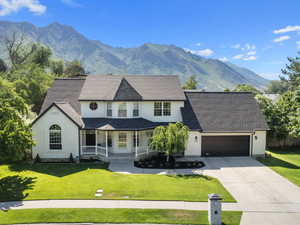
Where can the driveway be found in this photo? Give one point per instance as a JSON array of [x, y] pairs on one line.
[[263, 195]]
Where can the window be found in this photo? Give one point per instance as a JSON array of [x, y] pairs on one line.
[[55, 137], [109, 140], [93, 105], [122, 140], [196, 139], [122, 110], [136, 140], [109, 109], [135, 111], [157, 108], [162, 108], [167, 108]]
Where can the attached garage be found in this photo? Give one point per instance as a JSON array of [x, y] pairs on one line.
[[226, 145]]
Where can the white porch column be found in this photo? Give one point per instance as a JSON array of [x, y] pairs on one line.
[[136, 136], [96, 133], [106, 144]]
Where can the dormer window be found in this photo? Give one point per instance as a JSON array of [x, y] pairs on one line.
[[109, 109], [135, 112], [93, 106], [122, 112]]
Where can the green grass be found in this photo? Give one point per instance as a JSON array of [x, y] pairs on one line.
[[114, 216], [286, 163], [80, 181]]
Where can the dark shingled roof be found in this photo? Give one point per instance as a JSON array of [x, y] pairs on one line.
[[120, 124], [222, 112], [105, 87], [64, 90]]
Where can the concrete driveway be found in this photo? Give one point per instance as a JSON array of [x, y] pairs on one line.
[[264, 196]]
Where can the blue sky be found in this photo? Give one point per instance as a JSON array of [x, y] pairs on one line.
[[257, 34]]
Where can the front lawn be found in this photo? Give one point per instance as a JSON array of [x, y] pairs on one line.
[[114, 216], [286, 163], [80, 181]]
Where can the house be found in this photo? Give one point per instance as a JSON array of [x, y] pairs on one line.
[[104, 115]]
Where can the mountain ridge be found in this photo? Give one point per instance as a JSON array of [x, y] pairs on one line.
[[149, 58]]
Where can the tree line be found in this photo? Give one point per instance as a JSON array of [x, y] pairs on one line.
[[25, 77]]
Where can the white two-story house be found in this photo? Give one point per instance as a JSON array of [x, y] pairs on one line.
[[113, 114]]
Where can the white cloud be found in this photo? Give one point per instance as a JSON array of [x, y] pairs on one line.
[[251, 53], [240, 56], [298, 44], [248, 58], [203, 52], [71, 3], [198, 44], [10, 6], [224, 59], [245, 47], [282, 38], [287, 29]]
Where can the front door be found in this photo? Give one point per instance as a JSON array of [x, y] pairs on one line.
[[90, 138]]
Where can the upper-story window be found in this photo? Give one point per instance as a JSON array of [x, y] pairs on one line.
[[93, 105], [157, 108], [55, 137], [109, 109], [167, 108], [162, 108], [135, 112], [122, 112]]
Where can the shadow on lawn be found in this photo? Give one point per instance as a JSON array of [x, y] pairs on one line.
[[12, 188], [190, 176], [273, 161], [56, 169]]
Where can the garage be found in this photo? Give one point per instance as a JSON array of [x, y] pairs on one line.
[[225, 145]]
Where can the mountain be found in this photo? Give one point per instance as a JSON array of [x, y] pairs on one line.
[[154, 59]]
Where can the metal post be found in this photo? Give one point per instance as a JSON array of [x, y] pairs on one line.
[[106, 144], [214, 209], [96, 142], [136, 154]]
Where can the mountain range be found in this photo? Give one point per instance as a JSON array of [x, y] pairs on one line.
[[148, 59]]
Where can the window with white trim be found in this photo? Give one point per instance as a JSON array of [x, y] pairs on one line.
[[157, 108], [135, 111], [162, 108], [122, 140], [55, 137], [167, 108], [122, 110], [109, 109]]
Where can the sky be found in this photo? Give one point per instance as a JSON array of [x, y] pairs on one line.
[[256, 34]]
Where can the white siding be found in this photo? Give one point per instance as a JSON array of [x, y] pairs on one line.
[[259, 143], [69, 135], [146, 110], [194, 144]]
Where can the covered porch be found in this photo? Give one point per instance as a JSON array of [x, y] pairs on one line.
[[107, 143]]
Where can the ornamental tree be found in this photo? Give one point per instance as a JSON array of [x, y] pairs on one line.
[[170, 140]]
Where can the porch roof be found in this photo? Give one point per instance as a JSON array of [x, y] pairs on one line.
[[120, 124]]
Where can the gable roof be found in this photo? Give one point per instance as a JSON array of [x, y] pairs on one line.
[[64, 94], [126, 92], [155, 87], [223, 112], [64, 90]]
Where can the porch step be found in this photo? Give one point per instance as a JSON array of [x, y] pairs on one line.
[[129, 156]]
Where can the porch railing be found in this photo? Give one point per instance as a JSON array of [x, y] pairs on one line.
[[143, 150], [94, 150]]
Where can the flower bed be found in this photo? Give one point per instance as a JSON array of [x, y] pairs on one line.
[[160, 162]]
